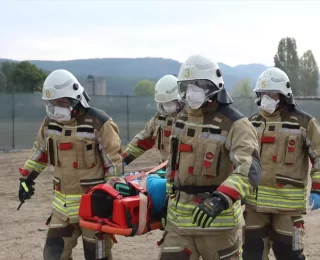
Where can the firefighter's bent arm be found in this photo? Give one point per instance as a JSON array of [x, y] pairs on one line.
[[142, 142], [313, 145], [38, 159], [110, 148], [242, 142]]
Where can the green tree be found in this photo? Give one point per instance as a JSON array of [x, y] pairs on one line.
[[287, 59], [3, 81], [309, 74], [144, 88], [7, 68], [27, 77], [242, 88]]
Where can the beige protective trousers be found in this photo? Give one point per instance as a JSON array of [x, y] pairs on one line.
[[283, 233], [62, 238], [216, 246]]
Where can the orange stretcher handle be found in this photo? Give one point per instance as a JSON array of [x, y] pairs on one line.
[[114, 230]]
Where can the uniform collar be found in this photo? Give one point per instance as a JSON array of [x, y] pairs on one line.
[[279, 113]]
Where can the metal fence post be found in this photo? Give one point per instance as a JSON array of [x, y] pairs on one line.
[[128, 132], [13, 116]]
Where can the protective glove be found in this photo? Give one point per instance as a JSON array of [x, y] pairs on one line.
[[209, 209], [26, 189], [315, 200]]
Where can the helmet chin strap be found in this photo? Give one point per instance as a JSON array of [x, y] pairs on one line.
[[76, 109]]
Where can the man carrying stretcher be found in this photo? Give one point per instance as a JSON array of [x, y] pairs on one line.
[[155, 134]]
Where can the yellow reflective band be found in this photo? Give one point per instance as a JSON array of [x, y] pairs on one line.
[[134, 150], [279, 198], [59, 200], [315, 175], [244, 188], [67, 205], [181, 214], [169, 188], [58, 207], [33, 165], [25, 187], [76, 197]]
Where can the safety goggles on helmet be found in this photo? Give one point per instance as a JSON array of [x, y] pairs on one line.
[[207, 86], [64, 102], [271, 93]]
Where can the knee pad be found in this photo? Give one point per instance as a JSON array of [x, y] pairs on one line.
[[89, 250], [252, 248], [284, 251], [53, 248]]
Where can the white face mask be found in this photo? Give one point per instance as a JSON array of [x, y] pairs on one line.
[[195, 96], [59, 113], [169, 107], [268, 104]]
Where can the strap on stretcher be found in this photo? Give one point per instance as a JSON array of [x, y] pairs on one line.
[[144, 174], [143, 207]]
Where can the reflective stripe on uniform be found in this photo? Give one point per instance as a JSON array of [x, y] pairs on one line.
[[134, 150], [180, 214], [108, 164], [169, 188], [244, 188], [280, 198], [33, 165], [67, 205], [316, 176]]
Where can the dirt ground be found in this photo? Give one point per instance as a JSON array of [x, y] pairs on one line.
[[22, 233]]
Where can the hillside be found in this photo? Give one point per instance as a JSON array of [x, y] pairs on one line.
[[122, 74]]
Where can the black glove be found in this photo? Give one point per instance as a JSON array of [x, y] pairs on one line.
[[26, 189], [209, 209]]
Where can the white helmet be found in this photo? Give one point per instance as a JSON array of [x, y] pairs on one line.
[[201, 72], [274, 80], [63, 84], [166, 89]]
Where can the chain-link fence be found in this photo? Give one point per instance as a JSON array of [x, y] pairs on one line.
[[21, 115]]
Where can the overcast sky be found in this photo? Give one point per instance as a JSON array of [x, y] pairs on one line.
[[233, 32]]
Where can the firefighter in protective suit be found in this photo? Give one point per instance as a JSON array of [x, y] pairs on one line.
[[83, 146], [158, 130], [288, 138], [214, 163]]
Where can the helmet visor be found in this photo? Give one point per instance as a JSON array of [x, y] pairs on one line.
[[271, 93], [208, 87], [65, 103]]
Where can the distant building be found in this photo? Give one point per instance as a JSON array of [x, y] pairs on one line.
[[96, 86], [101, 86], [90, 85]]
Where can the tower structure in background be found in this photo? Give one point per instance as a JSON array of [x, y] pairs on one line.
[[90, 85], [101, 86], [96, 86]]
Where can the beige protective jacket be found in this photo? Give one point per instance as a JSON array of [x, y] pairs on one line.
[[214, 149], [288, 138], [84, 152], [156, 133]]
